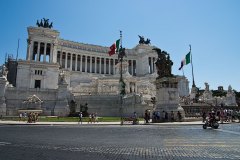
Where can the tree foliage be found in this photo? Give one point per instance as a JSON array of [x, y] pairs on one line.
[[217, 93]]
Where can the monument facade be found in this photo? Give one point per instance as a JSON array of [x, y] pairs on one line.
[[60, 71]]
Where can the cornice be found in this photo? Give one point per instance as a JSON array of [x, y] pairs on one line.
[[37, 64], [87, 47], [43, 32]]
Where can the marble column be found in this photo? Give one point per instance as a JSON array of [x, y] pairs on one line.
[[29, 42], [51, 53], [31, 50], [44, 53], [80, 63], [38, 52], [153, 64], [100, 68], [105, 65], [66, 57], [76, 57], [150, 59], [114, 61], [61, 58], [132, 67], [85, 64], [95, 65], [71, 60], [90, 64]]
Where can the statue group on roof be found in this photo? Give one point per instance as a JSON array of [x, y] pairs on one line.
[[142, 41], [44, 23]]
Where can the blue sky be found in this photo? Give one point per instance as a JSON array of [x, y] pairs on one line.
[[211, 27]]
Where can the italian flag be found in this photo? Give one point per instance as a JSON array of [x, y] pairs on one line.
[[185, 61], [114, 48]]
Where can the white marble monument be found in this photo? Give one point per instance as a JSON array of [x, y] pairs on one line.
[[91, 76]]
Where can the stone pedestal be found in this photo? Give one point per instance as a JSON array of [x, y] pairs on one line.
[[62, 107], [167, 97]]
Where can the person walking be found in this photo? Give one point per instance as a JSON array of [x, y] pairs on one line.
[[146, 116], [80, 118], [90, 118], [204, 116], [166, 116], [135, 118], [172, 116], [179, 116], [20, 117]]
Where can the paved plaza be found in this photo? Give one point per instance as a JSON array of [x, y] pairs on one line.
[[115, 142]]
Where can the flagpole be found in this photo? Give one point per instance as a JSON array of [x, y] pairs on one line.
[[121, 58], [120, 39], [121, 79], [193, 85]]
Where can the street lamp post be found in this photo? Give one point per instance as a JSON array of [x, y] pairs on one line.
[[121, 54]]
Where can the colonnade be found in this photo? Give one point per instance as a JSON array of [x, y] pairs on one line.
[[40, 51], [91, 64], [43, 51]]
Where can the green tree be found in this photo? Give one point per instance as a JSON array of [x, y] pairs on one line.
[[217, 93]]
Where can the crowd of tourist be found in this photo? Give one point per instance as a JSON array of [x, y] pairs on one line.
[[223, 115], [30, 117], [92, 118], [166, 117]]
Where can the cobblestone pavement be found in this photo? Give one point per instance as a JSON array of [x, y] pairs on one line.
[[113, 142]]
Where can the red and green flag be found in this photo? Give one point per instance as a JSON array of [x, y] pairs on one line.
[[186, 60], [114, 47]]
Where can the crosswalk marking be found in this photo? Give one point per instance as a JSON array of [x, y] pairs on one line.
[[4, 143]]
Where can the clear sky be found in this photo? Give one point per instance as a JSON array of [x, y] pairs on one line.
[[212, 27]]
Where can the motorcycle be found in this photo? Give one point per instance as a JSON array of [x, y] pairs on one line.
[[211, 123]]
